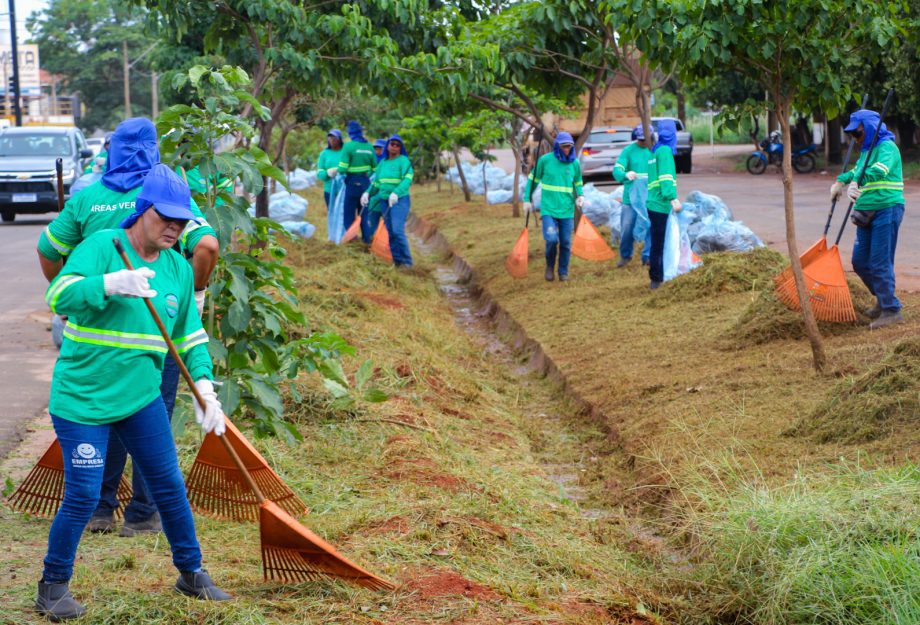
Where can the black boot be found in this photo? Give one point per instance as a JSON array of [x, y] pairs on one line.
[[886, 318], [56, 602], [549, 275], [200, 586], [874, 312]]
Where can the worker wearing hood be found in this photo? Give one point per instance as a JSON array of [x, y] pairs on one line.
[[879, 209], [662, 195], [356, 162], [380, 146], [632, 165], [559, 177], [388, 196], [133, 154], [328, 165]]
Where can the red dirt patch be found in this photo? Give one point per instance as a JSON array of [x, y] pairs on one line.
[[455, 413], [425, 477], [384, 301], [394, 525], [432, 583]]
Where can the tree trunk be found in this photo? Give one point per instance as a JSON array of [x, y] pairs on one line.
[[811, 326], [516, 192], [834, 147], [681, 102], [463, 183], [437, 169]]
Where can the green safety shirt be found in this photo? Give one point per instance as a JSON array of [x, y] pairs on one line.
[[634, 157], [328, 159], [97, 161], [662, 180], [111, 362], [883, 185], [560, 183], [357, 157], [98, 208], [197, 183], [393, 175]]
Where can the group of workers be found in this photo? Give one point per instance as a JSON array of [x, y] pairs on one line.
[[114, 384], [878, 208], [376, 186]]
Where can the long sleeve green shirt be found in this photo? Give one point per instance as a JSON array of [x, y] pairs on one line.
[[393, 175], [111, 362], [883, 185], [357, 157], [662, 180], [560, 184], [98, 208], [328, 159], [634, 157]]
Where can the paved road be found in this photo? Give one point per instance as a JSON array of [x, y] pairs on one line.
[[758, 202], [26, 354]]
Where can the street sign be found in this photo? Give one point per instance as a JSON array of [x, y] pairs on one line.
[[29, 81]]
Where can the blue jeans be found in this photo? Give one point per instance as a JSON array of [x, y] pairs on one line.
[[658, 228], [873, 255], [370, 219], [148, 436], [355, 186], [141, 506], [627, 242], [326, 198], [395, 220], [557, 233]]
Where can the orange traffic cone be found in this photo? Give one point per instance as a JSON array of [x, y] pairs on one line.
[[588, 244]]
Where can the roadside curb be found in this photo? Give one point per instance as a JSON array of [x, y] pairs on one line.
[[507, 327]]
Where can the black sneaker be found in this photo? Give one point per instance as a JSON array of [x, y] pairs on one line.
[[563, 277], [200, 586], [55, 602], [873, 313], [623, 262], [887, 318], [548, 274], [654, 285], [150, 526], [101, 524], [645, 262]]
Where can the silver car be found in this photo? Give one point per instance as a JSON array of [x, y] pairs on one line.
[[599, 153]]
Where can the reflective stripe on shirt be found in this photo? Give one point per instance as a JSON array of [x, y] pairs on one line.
[[111, 338], [557, 189], [61, 247], [51, 297], [188, 342]]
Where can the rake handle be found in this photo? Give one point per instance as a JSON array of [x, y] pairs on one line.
[[188, 378], [846, 163], [59, 170], [862, 174]]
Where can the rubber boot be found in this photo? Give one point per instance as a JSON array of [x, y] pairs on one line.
[[549, 275], [55, 602], [101, 524], [886, 318], [200, 586], [623, 262], [150, 526], [874, 312]]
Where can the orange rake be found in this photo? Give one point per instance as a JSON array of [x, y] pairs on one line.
[[290, 552], [352, 232], [380, 244], [42, 492], [516, 263], [588, 244], [217, 488]]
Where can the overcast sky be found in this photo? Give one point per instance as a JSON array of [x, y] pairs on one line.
[[24, 8]]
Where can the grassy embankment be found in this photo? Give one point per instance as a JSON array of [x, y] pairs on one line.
[[445, 489], [774, 478]]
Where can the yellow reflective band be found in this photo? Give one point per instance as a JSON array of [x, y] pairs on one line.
[[54, 292], [343, 164], [883, 184], [359, 170], [557, 189], [112, 338], [881, 166], [60, 246], [620, 165], [186, 343], [530, 176], [654, 184], [390, 180], [666, 177]]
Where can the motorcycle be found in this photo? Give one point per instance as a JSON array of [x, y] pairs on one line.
[[771, 153]]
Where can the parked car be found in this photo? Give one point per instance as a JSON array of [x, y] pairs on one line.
[[96, 144], [684, 159], [28, 181], [600, 151]]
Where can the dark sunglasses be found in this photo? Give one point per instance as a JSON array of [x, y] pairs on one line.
[[181, 222], [396, 143]]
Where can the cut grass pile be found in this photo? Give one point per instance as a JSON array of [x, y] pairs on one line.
[[880, 402], [445, 489], [724, 272]]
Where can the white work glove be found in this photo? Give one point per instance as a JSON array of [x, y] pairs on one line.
[[580, 202], [129, 282], [211, 417], [393, 199], [199, 301], [365, 199], [675, 205], [853, 191], [528, 207], [332, 172], [631, 175], [836, 190]]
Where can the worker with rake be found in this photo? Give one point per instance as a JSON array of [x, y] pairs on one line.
[[877, 213], [662, 196], [631, 165], [133, 153], [107, 379], [559, 177], [388, 196]]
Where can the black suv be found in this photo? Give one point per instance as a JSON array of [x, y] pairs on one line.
[[28, 181]]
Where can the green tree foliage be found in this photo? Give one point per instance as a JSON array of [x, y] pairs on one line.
[[81, 40]]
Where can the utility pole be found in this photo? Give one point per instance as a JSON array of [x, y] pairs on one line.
[[154, 96], [124, 56], [15, 53]]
